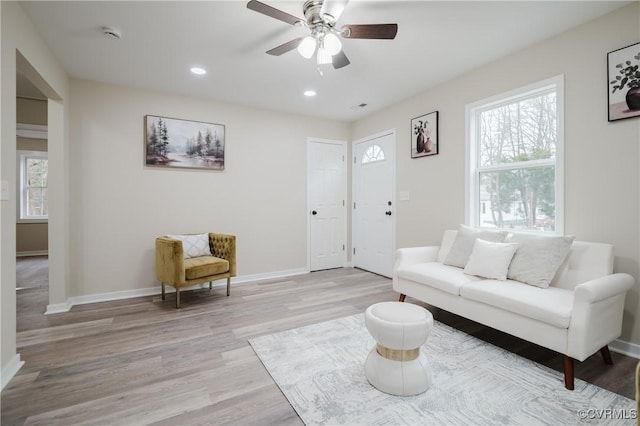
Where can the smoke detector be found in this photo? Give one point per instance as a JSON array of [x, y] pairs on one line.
[[112, 33]]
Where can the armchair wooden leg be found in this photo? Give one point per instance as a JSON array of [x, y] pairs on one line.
[[162, 291], [228, 286], [402, 296], [606, 355], [177, 297], [567, 363], [210, 285]]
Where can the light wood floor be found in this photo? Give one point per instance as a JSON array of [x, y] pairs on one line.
[[141, 361]]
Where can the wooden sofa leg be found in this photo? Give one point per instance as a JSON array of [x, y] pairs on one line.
[[228, 286], [162, 291], [567, 363], [210, 285], [606, 355], [177, 297], [402, 296]]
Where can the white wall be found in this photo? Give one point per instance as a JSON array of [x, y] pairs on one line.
[[20, 41], [601, 158], [119, 205]]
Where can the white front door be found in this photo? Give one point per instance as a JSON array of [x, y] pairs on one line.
[[327, 199], [374, 203]]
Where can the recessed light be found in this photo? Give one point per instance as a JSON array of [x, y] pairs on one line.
[[309, 93], [198, 70]]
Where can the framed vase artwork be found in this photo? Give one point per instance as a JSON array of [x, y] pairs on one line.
[[424, 135], [175, 143], [623, 72]]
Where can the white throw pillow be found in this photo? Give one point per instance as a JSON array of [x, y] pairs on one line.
[[490, 260], [463, 244], [538, 257], [194, 245]]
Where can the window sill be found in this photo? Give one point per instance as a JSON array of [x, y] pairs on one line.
[[32, 221]]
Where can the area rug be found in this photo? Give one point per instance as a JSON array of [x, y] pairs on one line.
[[319, 368]]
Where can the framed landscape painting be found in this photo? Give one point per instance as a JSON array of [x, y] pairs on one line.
[[171, 142], [623, 72], [424, 135]]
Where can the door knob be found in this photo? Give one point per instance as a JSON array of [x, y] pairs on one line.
[[388, 213], [313, 212]]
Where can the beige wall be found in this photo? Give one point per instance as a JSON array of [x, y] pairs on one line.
[[601, 158], [119, 206], [31, 237], [31, 111], [22, 46]]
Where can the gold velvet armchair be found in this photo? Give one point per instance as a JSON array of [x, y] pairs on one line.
[[172, 268]]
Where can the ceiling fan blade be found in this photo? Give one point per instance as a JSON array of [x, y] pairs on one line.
[[286, 47], [371, 31], [265, 9], [340, 60], [333, 8]]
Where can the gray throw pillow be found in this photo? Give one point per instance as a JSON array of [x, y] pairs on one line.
[[463, 244], [537, 258]]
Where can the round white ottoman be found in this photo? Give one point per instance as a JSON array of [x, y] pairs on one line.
[[396, 365]]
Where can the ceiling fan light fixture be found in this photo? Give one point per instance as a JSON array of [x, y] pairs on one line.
[[332, 44], [323, 57], [307, 47]]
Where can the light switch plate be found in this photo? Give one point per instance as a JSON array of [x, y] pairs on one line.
[[404, 196], [4, 190]]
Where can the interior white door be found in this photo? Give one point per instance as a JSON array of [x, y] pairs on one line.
[[374, 204], [327, 209]]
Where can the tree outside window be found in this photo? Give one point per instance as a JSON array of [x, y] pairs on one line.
[[34, 183]]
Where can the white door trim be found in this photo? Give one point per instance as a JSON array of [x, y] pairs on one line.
[[311, 140], [393, 190]]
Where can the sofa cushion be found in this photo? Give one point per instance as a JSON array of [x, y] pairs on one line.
[[193, 245], [198, 267], [490, 260], [549, 305], [437, 275], [538, 257], [463, 244]]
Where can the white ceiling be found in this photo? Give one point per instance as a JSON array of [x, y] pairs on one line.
[[436, 41]]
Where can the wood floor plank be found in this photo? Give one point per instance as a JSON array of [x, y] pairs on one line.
[[141, 361]]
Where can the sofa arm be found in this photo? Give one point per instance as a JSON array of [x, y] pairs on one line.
[[169, 261], [413, 255], [224, 247], [596, 317], [410, 256], [603, 288]]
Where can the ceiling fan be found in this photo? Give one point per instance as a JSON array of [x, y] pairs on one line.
[[324, 39]]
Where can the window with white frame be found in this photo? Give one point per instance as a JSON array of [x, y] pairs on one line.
[[34, 182], [515, 159]]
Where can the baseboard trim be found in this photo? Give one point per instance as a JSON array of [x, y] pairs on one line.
[[58, 308], [10, 370], [152, 291], [625, 348], [32, 253], [269, 275]]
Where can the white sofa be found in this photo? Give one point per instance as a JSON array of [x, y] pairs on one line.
[[577, 315]]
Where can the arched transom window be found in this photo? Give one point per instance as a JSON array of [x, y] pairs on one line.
[[373, 154]]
